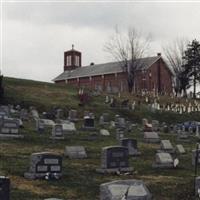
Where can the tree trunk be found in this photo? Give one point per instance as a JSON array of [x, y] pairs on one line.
[[194, 84]]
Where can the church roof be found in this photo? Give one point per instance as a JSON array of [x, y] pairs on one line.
[[102, 69]]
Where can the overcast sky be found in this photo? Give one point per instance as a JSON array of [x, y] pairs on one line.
[[35, 35]]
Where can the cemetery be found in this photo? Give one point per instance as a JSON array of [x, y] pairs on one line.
[[94, 152]]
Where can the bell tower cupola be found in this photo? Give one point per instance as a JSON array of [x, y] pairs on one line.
[[72, 59]]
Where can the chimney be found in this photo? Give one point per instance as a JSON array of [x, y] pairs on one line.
[[158, 54]]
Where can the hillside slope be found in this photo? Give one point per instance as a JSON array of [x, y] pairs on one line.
[[80, 181]]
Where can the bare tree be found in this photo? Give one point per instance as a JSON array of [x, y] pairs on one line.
[[127, 48], [174, 53]]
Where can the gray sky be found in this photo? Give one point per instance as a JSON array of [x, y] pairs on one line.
[[35, 35]]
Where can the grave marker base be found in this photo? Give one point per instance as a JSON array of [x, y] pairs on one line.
[[163, 166], [114, 170], [32, 176], [4, 136], [171, 151], [57, 138]]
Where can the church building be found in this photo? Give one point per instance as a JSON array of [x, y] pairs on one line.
[[152, 75]]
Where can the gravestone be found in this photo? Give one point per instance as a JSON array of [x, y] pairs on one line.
[[180, 149], [148, 128], [10, 128], [166, 146], [59, 113], [73, 116], [44, 165], [120, 123], [35, 114], [104, 132], [131, 144], [163, 160], [155, 125], [151, 137], [75, 152], [119, 134], [104, 119], [144, 121], [182, 136], [5, 111], [124, 190], [57, 132], [197, 186], [194, 157], [68, 126], [24, 115], [48, 122], [114, 159], [88, 123], [4, 188], [40, 127]]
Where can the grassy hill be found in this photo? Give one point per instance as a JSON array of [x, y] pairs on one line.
[[80, 181]]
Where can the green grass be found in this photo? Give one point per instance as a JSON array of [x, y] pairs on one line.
[[80, 180]]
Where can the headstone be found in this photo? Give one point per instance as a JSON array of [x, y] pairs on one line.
[[182, 136], [68, 126], [10, 128], [194, 157], [57, 132], [144, 121], [44, 165], [73, 116], [180, 149], [5, 111], [59, 114], [114, 159], [119, 134], [35, 114], [40, 127], [120, 122], [48, 122], [155, 125], [151, 137], [166, 146], [88, 123], [163, 160], [197, 186], [75, 152], [107, 100], [4, 188], [104, 132], [124, 190], [131, 144], [148, 128], [104, 119], [24, 115]]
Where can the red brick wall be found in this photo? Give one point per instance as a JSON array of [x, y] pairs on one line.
[[119, 80]]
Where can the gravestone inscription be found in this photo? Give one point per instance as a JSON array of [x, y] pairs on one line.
[[114, 159], [44, 165]]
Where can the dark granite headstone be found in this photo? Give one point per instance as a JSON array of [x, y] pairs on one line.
[[113, 159], [4, 188], [44, 165], [88, 123]]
